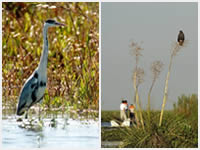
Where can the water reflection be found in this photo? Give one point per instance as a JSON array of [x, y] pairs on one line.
[[67, 133], [111, 144]]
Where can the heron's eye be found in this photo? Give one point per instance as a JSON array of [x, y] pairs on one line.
[[50, 21]]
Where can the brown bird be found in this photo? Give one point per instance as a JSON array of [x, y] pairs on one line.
[[181, 38]]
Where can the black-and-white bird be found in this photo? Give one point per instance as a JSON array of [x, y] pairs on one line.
[[33, 90], [181, 38]]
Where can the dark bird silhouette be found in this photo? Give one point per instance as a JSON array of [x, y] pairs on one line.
[[181, 38]]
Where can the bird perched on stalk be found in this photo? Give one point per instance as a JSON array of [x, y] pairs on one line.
[[33, 90], [181, 38]]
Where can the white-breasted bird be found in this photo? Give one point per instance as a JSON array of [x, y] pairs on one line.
[[33, 90]]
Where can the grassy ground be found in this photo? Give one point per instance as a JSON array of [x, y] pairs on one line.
[[106, 116]]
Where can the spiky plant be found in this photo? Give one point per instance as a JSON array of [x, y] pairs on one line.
[[177, 133]]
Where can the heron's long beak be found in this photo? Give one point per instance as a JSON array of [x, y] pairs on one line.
[[60, 24]]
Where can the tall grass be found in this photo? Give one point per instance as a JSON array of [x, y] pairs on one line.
[[176, 132]]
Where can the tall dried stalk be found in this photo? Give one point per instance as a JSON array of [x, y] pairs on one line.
[[137, 78], [175, 50], [156, 68]]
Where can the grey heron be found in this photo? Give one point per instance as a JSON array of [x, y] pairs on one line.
[[33, 90]]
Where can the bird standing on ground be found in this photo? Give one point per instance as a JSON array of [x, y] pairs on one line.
[[33, 90], [181, 38]]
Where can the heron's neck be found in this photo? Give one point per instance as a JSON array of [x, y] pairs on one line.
[[44, 56]]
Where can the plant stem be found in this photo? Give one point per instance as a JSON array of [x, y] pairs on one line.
[[137, 99], [166, 91], [139, 107], [149, 99]]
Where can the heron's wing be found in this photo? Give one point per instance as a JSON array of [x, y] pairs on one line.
[[25, 95]]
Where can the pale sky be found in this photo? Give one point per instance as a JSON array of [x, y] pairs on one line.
[[157, 26]]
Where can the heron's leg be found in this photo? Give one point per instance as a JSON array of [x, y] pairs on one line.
[[26, 115], [39, 112], [30, 114], [40, 105]]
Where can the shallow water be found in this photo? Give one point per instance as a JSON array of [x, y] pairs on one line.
[[105, 124], [111, 144], [67, 134]]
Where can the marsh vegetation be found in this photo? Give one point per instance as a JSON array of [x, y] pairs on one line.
[[179, 128], [73, 69]]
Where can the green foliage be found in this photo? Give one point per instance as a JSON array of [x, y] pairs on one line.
[[176, 132], [73, 62], [188, 107], [106, 116], [116, 134]]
